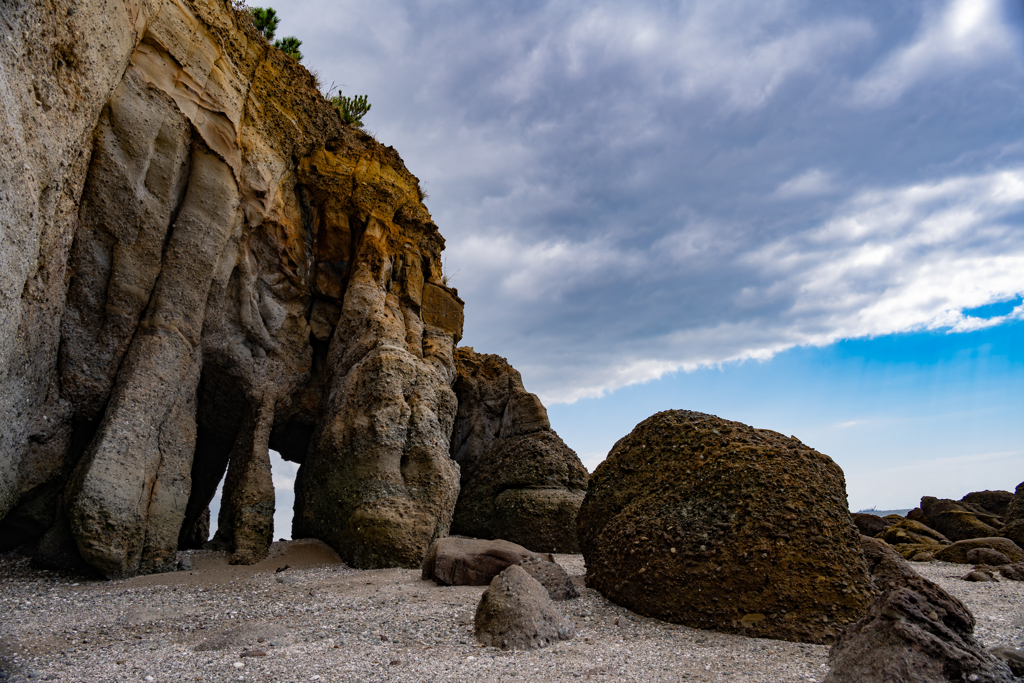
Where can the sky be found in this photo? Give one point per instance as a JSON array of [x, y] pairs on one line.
[[805, 216]]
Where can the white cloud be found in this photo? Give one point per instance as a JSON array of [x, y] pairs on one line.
[[964, 36], [887, 261], [807, 184]]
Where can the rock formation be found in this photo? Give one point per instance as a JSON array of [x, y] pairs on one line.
[[955, 521], [516, 613], [959, 552], [202, 261], [520, 482], [716, 525], [913, 631]]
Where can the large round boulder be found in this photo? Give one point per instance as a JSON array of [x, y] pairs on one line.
[[710, 523], [993, 502]]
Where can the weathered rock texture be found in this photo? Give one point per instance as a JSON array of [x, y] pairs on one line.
[[516, 613], [472, 561], [913, 631], [520, 482], [717, 525], [200, 262]]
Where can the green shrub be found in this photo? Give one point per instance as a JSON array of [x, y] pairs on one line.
[[265, 20], [290, 46], [352, 109]]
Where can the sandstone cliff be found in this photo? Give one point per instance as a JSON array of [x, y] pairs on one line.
[[199, 261]]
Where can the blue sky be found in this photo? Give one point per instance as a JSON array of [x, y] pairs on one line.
[[804, 216]]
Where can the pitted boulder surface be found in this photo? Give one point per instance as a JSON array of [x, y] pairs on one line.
[[710, 523]]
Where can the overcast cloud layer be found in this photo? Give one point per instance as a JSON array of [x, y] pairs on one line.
[[629, 189]]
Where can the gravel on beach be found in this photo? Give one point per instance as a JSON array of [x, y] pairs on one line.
[[319, 620]]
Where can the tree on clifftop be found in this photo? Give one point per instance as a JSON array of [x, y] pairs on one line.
[[290, 46], [265, 20]]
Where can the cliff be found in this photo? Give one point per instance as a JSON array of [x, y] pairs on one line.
[[201, 261]]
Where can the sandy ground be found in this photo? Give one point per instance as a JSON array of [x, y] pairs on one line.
[[319, 620]]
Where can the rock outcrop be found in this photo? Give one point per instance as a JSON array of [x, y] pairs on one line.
[[520, 482], [202, 261], [515, 613], [710, 523]]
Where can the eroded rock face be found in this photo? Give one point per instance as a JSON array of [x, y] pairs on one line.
[[717, 525], [206, 263], [520, 482]]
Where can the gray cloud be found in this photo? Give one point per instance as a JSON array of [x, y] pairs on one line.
[[629, 189]]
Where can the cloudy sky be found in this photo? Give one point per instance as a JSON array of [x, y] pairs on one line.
[[805, 216]]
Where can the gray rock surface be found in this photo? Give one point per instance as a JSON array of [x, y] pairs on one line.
[[519, 480], [516, 613]]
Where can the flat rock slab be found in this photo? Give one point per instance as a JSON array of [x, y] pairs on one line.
[[472, 562]]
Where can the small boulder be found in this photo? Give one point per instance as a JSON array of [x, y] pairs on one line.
[[979, 576], [911, 531], [455, 561], [987, 556], [870, 525], [922, 556], [702, 521], [1014, 572], [552, 576], [516, 613], [957, 552], [913, 632]]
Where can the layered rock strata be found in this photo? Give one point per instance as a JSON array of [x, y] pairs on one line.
[[713, 524], [202, 261], [519, 480]]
